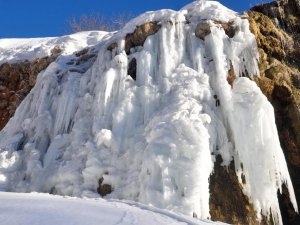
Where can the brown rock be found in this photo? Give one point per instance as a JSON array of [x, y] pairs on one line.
[[227, 201], [16, 81], [86, 57], [132, 69], [276, 26], [229, 29], [296, 80], [282, 92], [104, 188], [231, 75], [139, 36], [202, 30], [3, 104], [268, 37], [82, 52], [112, 46]]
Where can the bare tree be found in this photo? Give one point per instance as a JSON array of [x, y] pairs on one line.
[[99, 22], [120, 20]]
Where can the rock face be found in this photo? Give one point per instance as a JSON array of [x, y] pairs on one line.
[[16, 81], [276, 26], [227, 201], [202, 30], [138, 37]]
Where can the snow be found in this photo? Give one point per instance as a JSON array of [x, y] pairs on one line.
[[153, 139], [20, 49], [208, 10], [36, 209]]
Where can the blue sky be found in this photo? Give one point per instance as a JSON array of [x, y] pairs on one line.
[[40, 18]]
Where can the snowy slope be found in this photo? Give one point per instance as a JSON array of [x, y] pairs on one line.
[[153, 139], [37, 209], [18, 49]]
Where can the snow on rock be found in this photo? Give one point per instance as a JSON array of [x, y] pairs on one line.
[[153, 139], [18, 49], [36, 209], [209, 10]]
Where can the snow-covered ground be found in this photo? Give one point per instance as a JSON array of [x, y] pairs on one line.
[[44, 209], [18, 49], [153, 139]]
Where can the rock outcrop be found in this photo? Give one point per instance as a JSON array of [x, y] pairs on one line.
[[138, 37], [228, 203], [16, 81], [276, 26]]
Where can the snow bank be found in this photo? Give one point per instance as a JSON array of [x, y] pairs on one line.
[[153, 139], [18, 49], [36, 209]]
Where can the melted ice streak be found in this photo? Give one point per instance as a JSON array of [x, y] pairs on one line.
[[154, 139]]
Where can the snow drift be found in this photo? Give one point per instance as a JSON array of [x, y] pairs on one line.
[[153, 138], [36, 209]]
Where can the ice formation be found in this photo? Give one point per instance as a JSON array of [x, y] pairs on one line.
[[153, 139]]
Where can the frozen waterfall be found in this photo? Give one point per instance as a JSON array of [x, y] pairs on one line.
[[153, 139]]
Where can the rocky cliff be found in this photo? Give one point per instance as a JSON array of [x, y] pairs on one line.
[[276, 26], [16, 81]]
